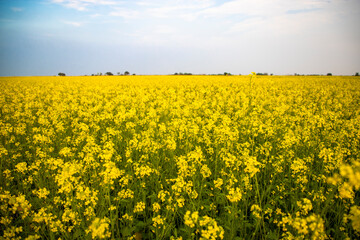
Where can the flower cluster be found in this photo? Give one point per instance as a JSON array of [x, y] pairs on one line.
[[180, 157]]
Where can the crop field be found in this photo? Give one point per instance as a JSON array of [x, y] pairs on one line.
[[180, 157]]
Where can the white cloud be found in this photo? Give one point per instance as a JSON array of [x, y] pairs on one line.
[[82, 5], [75, 24], [16, 9], [125, 13], [95, 15], [180, 3], [260, 7], [191, 10], [164, 29], [261, 20], [160, 35], [184, 9], [281, 28]]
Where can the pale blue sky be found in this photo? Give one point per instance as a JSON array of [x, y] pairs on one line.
[[78, 37]]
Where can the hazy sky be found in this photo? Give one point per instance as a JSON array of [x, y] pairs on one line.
[[78, 37]]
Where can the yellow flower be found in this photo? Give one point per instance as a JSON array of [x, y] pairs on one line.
[[234, 195], [99, 227], [256, 211], [190, 219], [305, 205], [252, 165], [21, 167], [139, 207], [156, 207], [158, 221], [127, 217], [205, 171], [32, 237], [110, 173], [346, 191], [218, 183], [70, 215], [66, 152], [209, 227], [180, 202], [354, 216], [41, 193], [20, 204]]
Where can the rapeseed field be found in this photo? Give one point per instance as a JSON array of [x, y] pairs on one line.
[[180, 157]]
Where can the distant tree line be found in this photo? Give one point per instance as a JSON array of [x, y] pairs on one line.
[[225, 74], [264, 74], [219, 74], [126, 73], [328, 74], [180, 73], [260, 74]]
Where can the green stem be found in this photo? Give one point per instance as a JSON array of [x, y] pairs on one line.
[[259, 200]]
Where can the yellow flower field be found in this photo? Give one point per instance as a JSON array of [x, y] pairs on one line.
[[180, 157]]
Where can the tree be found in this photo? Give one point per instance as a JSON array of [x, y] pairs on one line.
[[329, 74], [109, 74], [61, 74], [126, 73], [357, 74]]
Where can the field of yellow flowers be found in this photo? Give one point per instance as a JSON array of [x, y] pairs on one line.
[[180, 157]]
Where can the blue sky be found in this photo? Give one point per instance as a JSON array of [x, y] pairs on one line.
[[78, 37]]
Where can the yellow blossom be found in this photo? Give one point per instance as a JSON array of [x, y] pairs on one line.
[[99, 228], [139, 207]]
